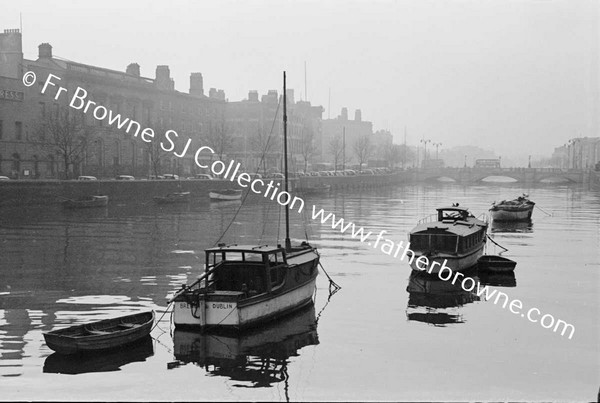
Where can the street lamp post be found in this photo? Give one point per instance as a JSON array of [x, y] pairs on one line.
[[465, 161], [529, 164], [425, 151], [437, 145]]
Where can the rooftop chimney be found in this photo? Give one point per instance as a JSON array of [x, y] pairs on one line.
[[289, 94], [163, 78], [196, 84], [44, 51], [133, 69], [358, 115], [253, 96], [344, 115]]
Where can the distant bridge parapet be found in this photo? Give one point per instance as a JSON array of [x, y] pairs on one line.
[[526, 175]]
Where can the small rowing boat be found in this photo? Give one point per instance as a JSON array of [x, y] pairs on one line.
[[177, 197], [225, 194], [495, 264], [519, 209], [101, 335], [85, 202], [320, 188]]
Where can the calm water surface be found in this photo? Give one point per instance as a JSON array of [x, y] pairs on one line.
[[384, 336]]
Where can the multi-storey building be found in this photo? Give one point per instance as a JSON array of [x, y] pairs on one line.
[[350, 131], [28, 145], [256, 128]]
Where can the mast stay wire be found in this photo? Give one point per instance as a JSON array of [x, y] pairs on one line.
[[256, 172]]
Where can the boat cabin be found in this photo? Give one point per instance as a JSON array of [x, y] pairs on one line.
[[455, 231], [453, 213], [251, 270]]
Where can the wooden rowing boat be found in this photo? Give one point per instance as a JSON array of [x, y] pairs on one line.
[[225, 194], [85, 202], [177, 197], [101, 335], [519, 209], [495, 264]]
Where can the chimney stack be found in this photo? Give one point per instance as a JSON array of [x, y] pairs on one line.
[[44, 51], [344, 115], [253, 96], [357, 115], [133, 69], [196, 84], [163, 79]]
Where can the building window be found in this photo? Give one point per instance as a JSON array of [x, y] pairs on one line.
[[18, 130], [42, 109], [55, 111], [51, 165], [1, 130], [16, 165]]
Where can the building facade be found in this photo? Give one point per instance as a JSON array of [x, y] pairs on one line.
[[256, 129], [348, 131], [38, 138]]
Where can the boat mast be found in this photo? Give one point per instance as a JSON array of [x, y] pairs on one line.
[[288, 244]]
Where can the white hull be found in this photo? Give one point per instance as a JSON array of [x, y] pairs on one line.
[[220, 196], [452, 262], [228, 314]]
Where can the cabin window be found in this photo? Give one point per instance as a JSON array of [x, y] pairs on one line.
[[234, 256], [214, 258], [253, 257]]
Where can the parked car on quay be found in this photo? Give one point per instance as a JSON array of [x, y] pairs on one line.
[[171, 176], [125, 178], [206, 177], [4, 178], [87, 178]]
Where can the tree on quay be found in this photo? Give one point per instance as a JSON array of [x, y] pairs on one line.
[[363, 150], [65, 134]]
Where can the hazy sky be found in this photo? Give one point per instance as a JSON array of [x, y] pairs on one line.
[[512, 76]]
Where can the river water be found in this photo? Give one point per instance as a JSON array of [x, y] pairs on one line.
[[383, 336]]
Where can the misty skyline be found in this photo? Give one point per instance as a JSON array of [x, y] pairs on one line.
[[513, 77]]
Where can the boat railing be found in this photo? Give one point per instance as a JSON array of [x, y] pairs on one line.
[[484, 217], [428, 219]]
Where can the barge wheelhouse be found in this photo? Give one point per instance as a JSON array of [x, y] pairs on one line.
[[246, 285], [453, 237]]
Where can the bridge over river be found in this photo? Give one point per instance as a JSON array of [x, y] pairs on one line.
[[524, 175]]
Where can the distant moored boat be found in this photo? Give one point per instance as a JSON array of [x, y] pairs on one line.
[[225, 194], [84, 202], [519, 209]]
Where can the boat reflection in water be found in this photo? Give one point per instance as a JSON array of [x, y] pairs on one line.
[[257, 357], [512, 226], [436, 301], [498, 279], [101, 361]]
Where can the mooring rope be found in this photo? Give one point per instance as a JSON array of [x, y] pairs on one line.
[[490, 238], [543, 211], [331, 282]]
